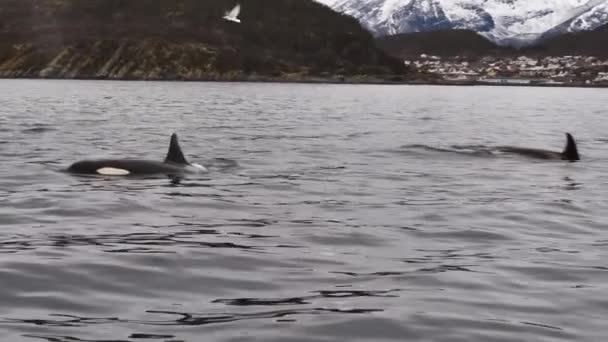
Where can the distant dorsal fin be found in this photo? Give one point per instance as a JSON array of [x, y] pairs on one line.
[[175, 154], [570, 151]]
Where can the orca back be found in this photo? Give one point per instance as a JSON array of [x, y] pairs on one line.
[[175, 154], [570, 151], [125, 167]]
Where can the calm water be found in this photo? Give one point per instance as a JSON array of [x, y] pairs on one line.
[[330, 213]]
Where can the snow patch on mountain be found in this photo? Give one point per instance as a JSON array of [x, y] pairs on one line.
[[590, 20], [503, 21]]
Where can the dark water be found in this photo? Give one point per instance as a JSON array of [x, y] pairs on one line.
[[330, 213]]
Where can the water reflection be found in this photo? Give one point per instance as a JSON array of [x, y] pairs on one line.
[[148, 242], [182, 318]]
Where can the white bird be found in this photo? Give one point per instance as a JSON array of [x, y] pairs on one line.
[[233, 14]]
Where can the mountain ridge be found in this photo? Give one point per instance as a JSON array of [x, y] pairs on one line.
[[506, 22]]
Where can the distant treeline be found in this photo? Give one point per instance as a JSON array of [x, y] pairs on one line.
[[469, 44]]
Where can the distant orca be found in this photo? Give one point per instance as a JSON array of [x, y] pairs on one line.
[[570, 152], [175, 165]]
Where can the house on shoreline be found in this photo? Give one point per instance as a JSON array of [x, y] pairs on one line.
[[522, 70]]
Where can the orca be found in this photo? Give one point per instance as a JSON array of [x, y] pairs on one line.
[[570, 152], [175, 165]]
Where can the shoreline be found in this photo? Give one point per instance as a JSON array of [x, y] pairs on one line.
[[355, 80], [491, 84]]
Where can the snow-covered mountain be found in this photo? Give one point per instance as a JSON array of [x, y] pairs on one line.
[[507, 22]]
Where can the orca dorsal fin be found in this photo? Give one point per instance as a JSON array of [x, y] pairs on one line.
[[570, 151], [175, 154]]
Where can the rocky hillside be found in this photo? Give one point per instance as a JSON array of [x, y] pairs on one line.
[[186, 40]]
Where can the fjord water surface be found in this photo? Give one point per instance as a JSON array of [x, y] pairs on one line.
[[330, 213]]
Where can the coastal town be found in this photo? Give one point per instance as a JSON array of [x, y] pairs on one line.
[[522, 70]]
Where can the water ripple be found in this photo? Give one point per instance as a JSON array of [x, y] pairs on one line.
[[345, 213]]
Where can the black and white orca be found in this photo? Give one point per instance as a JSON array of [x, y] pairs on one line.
[[570, 152], [174, 165]]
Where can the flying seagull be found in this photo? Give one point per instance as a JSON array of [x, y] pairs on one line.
[[233, 14]]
